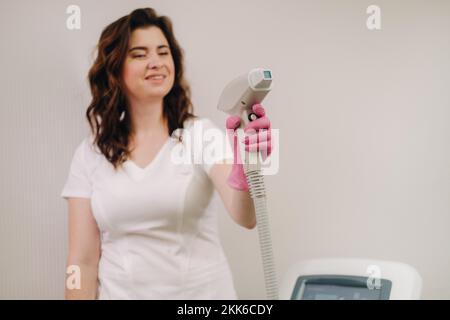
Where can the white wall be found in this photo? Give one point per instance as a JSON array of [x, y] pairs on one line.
[[363, 118]]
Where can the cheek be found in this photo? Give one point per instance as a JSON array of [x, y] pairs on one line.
[[172, 72], [131, 73]]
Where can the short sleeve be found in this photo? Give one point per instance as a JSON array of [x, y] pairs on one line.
[[78, 183], [215, 146]]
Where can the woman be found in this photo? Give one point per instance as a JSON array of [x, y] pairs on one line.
[[142, 226]]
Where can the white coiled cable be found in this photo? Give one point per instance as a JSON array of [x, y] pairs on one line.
[[255, 182]]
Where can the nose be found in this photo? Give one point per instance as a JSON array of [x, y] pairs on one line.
[[154, 62]]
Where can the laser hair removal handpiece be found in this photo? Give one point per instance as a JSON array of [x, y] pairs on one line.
[[237, 98]]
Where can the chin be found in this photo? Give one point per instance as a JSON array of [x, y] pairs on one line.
[[156, 94]]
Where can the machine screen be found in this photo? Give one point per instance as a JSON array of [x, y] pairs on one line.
[[339, 287], [335, 292]]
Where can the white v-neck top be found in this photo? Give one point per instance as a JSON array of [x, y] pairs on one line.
[[158, 224]]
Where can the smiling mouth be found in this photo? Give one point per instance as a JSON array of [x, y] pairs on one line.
[[161, 77]]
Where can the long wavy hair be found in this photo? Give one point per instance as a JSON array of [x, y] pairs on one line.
[[108, 113]]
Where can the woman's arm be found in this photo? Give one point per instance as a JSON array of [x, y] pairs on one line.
[[229, 179], [239, 204], [84, 249]]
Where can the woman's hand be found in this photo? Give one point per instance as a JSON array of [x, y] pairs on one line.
[[258, 138]]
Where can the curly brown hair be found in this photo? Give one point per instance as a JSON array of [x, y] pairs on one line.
[[111, 133]]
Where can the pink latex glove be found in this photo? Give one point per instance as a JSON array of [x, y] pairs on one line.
[[257, 138]]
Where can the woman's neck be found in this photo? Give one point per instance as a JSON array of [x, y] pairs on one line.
[[148, 119]]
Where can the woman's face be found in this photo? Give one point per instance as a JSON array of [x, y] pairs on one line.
[[148, 55]]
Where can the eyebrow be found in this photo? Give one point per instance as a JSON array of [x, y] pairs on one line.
[[146, 49]]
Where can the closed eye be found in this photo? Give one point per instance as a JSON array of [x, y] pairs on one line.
[[143, 55]]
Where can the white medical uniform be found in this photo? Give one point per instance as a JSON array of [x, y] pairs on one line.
[[158, 224]]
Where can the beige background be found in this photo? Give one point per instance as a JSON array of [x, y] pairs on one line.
[[363, 118]]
